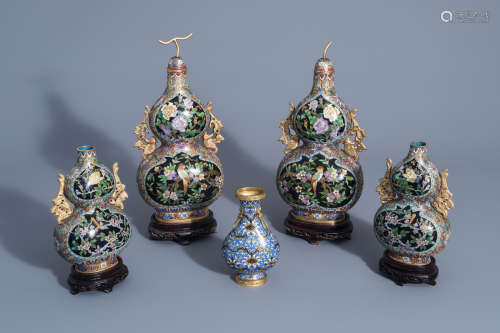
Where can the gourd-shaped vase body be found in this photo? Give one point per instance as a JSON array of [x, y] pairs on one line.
[[182, 176], [250, 248], [321, 179], [412, 224], [92, 233]]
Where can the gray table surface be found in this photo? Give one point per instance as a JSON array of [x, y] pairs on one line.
[[80, 72]]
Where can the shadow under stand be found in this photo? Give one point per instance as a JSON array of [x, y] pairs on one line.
[[183, 176], [91, 234], [319, 179], [412, 223]]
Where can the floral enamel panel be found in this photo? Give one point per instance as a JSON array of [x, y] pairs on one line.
[[317, 181], [406, 229], [93, 182], [180, 118], [101, 232], [412, 178], [319, 120], [183, 179]]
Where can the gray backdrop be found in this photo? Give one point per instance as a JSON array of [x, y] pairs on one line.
[[80, 72]]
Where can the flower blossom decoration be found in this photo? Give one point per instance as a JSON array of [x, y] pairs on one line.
[[179, 124], [321, 125], [171, 175], [188, 104], [331, 112], [305, 199], [168, 110], [313, 104], [194, 174], [410, 175], [166, 131]]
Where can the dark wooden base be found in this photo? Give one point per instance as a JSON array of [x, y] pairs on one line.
[[183, 233], [403, 273], [102, 281], [314, 233]]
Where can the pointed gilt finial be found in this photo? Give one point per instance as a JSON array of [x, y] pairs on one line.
[[326, 49], [175, 39]]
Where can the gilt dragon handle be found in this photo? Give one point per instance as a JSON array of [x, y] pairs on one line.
[[353, 147], [61, 208], [385, 188], [290, 140], [210, 140], [443, 202], [119, 195], [147, 145]]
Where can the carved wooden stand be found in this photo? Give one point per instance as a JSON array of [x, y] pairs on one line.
[[314, 233], [402, 273], [183, 233], [102, 281]]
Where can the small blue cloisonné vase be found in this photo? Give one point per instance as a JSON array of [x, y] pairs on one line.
[[250, 248]]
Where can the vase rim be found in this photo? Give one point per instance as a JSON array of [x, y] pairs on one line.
[[250, 193], [85, 148], [418, 144]]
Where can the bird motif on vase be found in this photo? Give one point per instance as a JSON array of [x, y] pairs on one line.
[[316, 178], [184, 176], [412, 219], [94, 179], [95, 222]]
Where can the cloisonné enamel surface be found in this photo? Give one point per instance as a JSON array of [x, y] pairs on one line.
[[412, 178], [250, 248], [88, 180], [411, 228], [416, 176], [403, 228], [408, 223], [180, 117], [317, 180], [320, 120], [183, 180], [97, 229], [320, 177], [93, 182], [181, 176], [102, 232]]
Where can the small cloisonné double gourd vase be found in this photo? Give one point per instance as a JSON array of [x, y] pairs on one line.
[[250, 248], [182, 176], [412, 223], [92, 231], [321, 178]]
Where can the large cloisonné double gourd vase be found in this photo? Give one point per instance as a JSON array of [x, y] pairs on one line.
[[92, 231], [182, 176], [412, 223], [321, 178], [250, 248]]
